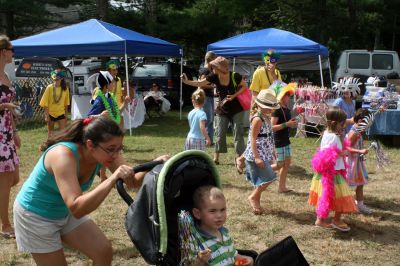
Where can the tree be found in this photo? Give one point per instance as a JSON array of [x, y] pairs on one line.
[[21, 17]]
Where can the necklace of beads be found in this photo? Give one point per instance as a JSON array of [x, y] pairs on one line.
[[112, 112], [55, 98]]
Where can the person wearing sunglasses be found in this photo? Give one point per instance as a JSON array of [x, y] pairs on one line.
[[264, 76], [10, 141], [51, 210], [55, 101]]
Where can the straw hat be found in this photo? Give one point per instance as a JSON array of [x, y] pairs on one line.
[[220, 63], [266, 99]]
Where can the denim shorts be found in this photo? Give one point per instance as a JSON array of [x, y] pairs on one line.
[[259, 176], [36, 234]]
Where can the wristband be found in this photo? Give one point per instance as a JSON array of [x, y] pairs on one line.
[[283, 125]]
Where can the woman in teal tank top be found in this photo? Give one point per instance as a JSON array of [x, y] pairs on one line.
[[51, 209]]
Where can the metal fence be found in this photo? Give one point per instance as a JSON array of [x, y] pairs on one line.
[[29, 92]]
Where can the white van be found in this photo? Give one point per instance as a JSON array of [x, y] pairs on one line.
[[81, 71], [364, 63]]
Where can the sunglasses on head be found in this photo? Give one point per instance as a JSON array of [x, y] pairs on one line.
[[9, 49]]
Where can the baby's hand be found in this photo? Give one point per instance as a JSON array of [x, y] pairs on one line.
[[204, 255], [364, 151]]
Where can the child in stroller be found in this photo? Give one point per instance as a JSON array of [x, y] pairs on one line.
[[152, 219], [209, 242]]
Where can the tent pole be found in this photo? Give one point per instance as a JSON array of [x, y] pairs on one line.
[[73, 75], [234, 63], [180, 94], [320, 71], [127, 87], [330, 72]]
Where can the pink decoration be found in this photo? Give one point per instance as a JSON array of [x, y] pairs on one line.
[[323, 163]]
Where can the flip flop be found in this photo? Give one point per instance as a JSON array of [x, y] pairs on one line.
[[286, 191], [8, 234], [216, 162], [324, 225], [239, 166], [341, 228]]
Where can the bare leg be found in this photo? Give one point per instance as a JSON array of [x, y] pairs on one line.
[[62, 123], [91, 241], [216, 157], [321, 223], [7, 180], [50, 127], [50, 259], [359, 193], [282, 176], [255, 199]]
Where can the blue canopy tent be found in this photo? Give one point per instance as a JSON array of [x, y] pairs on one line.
[[298, 53], [95, 38]]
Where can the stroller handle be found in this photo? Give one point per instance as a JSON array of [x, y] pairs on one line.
[[139, 168]]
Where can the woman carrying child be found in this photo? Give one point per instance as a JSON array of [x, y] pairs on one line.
[[356, 173], [260, 148], [197, 137], [329, 189]]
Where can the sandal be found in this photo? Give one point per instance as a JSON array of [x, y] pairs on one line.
[[239, 165], [8, 234], [216, 162], [343, 227]]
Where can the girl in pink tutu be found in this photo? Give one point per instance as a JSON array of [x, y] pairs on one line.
[[329, 189]]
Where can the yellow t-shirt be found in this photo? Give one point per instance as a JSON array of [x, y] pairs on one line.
[[260, 80], [118, 93], [56, 109]]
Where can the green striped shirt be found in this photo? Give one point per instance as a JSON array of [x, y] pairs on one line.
[[222, 252]]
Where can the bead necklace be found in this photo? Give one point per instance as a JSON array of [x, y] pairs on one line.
[[55, 98], [113, 113]]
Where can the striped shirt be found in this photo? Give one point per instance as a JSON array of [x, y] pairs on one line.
[[222, 252]]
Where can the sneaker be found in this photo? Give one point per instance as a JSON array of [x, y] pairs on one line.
[[363, 209]]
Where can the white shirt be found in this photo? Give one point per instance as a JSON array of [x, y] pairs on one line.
[[329, 139]]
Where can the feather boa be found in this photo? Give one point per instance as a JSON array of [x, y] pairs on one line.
[[323, 162]]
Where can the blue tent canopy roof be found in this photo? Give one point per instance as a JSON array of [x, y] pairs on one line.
[[93, 38], [257, 42]]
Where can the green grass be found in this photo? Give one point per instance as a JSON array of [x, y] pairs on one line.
[[373, 240]]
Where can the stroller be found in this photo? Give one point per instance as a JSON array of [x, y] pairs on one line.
[[151, 220]]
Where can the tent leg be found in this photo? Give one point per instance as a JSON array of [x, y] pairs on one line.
[[330, 72], [127, 87], [320, 71], [234, 63], [180, 93]]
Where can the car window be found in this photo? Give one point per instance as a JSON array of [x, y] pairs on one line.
[[359, 61], [151, 70], [382, 61]]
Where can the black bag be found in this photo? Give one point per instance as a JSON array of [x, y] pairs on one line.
[[284, 253]]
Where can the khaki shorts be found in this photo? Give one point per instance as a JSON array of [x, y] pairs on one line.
[[36, 234]]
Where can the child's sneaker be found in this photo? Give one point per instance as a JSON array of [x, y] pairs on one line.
[[363, 209]]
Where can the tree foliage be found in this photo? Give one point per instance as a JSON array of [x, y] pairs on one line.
[[338, 24]]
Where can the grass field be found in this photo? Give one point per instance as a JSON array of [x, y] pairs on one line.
[[373, 240]]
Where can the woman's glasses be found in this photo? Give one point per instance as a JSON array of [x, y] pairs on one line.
[[112, 152]]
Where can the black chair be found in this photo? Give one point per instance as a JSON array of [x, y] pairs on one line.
[[152, 104]]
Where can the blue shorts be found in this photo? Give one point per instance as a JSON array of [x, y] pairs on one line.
[[283, 153]]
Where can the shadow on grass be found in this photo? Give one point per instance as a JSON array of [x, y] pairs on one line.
[[299, 172], [246, 188], [127, 252], [363, 231], [383, 204], [127, 149], [368, 232]]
